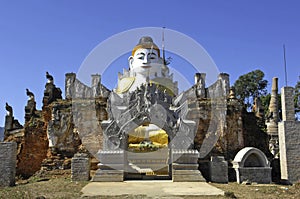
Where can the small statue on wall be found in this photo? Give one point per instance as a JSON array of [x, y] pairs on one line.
[[51, 92], [49, 78], [10, 123], [30, 108], [29, 94], [8, 109]]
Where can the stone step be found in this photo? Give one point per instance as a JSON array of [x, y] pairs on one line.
[[186, 172], [108, 176], [138, 168], [188, 178], [108, 179], [185, 166], [134, 176], [111, 166], [148, 161], [109, 172]]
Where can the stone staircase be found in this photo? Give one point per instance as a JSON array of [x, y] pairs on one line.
[[150, 165], [185, 166]]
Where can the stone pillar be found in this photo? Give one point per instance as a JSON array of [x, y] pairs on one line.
[[224, 77], [273, 107], [96, 80], [197, 78], [8, 124], [287, 101], [70, 85], [51, 93], [289, 137], [218, 169], [30, 109], [80, 167], [8, 156], [273, 118]]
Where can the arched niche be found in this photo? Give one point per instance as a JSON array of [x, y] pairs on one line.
[[251, 157], [251, 164]]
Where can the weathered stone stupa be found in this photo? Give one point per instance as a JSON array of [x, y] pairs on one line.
[[273, 119]]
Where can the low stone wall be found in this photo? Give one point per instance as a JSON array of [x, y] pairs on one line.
[[254, 174], [8, 156]]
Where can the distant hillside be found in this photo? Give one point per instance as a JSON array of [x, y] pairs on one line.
[[1, 133]]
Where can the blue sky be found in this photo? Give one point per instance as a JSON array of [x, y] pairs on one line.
[[57, 35]]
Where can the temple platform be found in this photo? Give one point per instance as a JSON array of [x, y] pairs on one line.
[[150, 189]]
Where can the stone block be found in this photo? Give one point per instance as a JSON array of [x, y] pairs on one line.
[[80, 167], [218, 169], [8, 156]]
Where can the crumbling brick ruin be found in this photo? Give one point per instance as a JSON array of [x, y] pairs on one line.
[[50, 137]]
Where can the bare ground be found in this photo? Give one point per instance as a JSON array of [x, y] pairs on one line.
[[58, 184]]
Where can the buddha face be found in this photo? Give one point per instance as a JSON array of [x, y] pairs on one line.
[[145, 62]]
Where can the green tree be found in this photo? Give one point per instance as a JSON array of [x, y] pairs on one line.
[[265, 102], [250, 86]]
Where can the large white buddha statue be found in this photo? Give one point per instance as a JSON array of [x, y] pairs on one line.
[[146, 65]]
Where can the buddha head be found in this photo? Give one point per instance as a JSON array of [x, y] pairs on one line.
[[145, 59]]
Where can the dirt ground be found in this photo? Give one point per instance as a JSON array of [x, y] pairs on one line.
[[58, 184]]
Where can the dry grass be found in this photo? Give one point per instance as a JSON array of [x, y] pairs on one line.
[[54, 188], [58, 184], [271, 191]]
